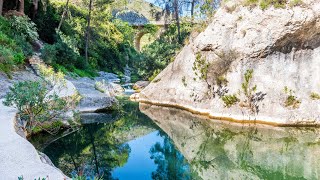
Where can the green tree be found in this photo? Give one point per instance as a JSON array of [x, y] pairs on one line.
[[33, 103], [88, 31]]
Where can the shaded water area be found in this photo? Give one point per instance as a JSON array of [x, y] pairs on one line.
[[150, 142]]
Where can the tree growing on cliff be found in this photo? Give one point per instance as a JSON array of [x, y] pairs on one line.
[[249, 97]]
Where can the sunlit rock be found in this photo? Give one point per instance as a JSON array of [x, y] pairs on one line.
[[281, 46]]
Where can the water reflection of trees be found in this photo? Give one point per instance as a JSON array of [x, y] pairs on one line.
[[170, 162], [98, 147], [93, 146], [217, 150]]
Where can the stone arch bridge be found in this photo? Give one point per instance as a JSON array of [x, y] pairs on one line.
[[138, 22], [141, 32]]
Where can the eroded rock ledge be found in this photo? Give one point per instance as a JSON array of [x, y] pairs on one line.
[[18, 156], [281, 46]]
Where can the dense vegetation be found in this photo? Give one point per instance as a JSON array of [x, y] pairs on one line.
[[110, 40], [15, 36], [63, 27]]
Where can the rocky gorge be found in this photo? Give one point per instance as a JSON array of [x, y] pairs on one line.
[[250, 66], [22, 159]]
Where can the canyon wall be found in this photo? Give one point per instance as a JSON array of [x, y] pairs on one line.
[[280, 46]]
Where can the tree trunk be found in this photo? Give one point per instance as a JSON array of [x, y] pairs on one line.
[[166, 15], [176, 9], [63, 15], [192, 8], [88, 31], [35, 4], [1, 6], [94, 151], [21, 6]]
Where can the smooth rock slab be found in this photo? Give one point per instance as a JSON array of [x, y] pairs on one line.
[[92, 99], [18, 156]]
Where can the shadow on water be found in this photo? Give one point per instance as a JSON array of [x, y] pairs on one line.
[[183, 146]]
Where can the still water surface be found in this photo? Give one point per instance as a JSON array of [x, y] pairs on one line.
[[161, 143]]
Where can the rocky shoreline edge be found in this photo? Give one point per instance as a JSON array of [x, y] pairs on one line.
[[20, 158], [259, 120]]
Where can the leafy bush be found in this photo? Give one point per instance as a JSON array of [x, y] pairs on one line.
[[61, 53], [249, 97], [201, 67], [6, 60], [246, 85], [252, 98], [24, 27], [14, 48], [314, 96], [296, 3], [38, 103], [21, 178], [49, 54], [154, 75], [9, 58], [264, 4], [291, 100], [230, 100], [33, 102]]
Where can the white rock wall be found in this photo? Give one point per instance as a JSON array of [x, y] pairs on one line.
[[280, 45]]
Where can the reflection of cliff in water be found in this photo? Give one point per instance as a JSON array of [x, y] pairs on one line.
[[100, 144], [219, 150]]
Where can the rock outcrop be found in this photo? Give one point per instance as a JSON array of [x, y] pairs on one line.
[[19, 157], [281, 46], [140, 85], [92, 99]]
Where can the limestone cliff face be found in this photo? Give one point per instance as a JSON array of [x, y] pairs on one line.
[[281, 46]]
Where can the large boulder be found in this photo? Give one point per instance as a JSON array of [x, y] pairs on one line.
[[92, 99], [17, 76], [280, 45]]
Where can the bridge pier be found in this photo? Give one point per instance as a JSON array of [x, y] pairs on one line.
[[141, 32], [137, 40]]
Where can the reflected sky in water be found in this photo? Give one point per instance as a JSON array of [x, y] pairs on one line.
[[139, 164]]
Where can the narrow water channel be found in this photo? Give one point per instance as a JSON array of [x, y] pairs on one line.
[[145, 142]]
